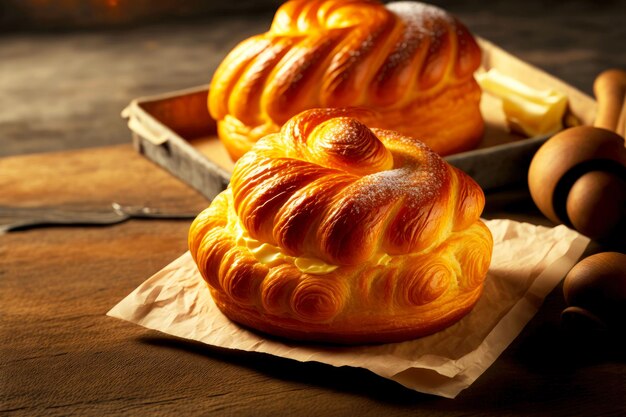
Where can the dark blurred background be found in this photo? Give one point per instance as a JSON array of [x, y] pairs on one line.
[[90, 14], [68, 67]]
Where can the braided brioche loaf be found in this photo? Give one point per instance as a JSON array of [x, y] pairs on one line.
[[330, 231], [413, 63]]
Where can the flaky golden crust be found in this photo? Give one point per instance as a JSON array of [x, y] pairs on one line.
[[398, 226], [410, 62]]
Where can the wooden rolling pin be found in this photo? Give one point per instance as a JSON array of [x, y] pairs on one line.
[[578, 177]]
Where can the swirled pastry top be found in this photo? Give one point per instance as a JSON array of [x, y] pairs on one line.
[[332, 231], [411, 62]]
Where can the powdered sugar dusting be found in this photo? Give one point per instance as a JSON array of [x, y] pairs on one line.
[[415, 180], [423, 25], [418, 15]]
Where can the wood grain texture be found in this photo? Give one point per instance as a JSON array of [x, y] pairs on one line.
[[61, 355]]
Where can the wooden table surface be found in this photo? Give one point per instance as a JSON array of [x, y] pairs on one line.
[[60, 354]]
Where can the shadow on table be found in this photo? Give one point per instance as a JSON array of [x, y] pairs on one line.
[[548, 364], [343, 379]]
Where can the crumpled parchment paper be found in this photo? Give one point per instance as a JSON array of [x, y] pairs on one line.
[[528, 262]]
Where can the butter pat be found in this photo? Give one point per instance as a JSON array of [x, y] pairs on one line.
[[264, 252], [528, 111], [313, 266], [271, 255]]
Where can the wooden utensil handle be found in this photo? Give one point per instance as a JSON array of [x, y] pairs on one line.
[[610, 90]]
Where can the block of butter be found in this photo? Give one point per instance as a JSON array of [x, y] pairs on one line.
[[528, 111]]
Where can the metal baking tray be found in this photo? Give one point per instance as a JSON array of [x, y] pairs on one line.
[[175, 131]]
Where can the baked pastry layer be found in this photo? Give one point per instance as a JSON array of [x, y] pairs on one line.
[[331, 231], [410, 62]]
